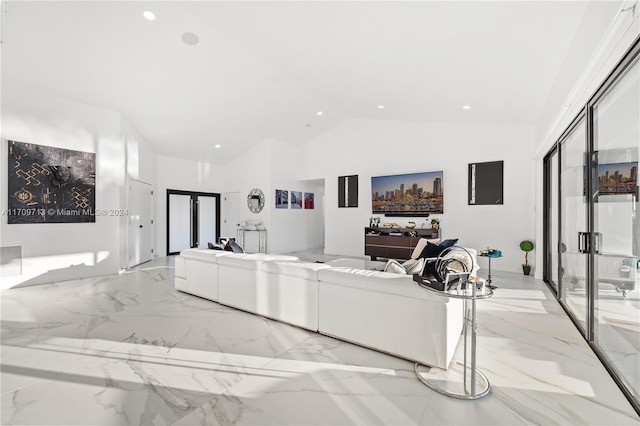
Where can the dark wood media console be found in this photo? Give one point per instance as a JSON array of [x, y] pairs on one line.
[[394, 243]]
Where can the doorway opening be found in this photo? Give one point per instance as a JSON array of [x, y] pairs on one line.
[[193, 220]]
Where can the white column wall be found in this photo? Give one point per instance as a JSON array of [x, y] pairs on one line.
[[140, 165], [56, 252]]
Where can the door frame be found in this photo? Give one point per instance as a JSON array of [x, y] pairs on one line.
[[628, 60], [194, 214], [547, 264], [226, 210], [151, 222]]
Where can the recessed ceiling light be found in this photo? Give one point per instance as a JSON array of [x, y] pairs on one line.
[[190, 38], [319, 113], [150, 16], [218, 146], [466, 107], [381, 106]]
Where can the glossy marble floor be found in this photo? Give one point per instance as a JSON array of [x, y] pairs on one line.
[[130, 349]]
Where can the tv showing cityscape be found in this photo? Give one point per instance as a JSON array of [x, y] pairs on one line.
[[617, 178], [414, 194]]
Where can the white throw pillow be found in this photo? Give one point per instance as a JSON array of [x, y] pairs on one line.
[[462, 258], [413, 266], [422, 243], [394, 267]]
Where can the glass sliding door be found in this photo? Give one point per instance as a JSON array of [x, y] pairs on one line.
[[573, 222], [616, 142], [596, 223]]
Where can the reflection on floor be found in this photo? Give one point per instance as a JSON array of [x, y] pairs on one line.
[[617, 326], [130, 349]]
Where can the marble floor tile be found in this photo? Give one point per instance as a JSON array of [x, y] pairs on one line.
[[320, 393], [130, 349]]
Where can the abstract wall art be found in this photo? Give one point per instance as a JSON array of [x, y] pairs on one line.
[[348, 191], [486, 183], [50, 185]]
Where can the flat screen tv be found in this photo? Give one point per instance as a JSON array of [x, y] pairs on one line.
[[413, 194]]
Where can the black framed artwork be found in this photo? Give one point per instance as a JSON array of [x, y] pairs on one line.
[[486, 183], [50, 185], [348, 191]]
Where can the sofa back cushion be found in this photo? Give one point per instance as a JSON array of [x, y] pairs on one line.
[[250, 261], [377, 281], [304, 270], [204, 255]]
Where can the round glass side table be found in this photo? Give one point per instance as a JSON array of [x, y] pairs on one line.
[[471, 388]]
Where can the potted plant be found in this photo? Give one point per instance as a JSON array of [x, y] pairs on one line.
[[526, 246], [435, 223]]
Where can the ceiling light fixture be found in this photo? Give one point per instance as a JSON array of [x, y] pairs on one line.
[[319, 113], [466, 107], [148, 15], [218, 146], [381, 106], [190, 39]]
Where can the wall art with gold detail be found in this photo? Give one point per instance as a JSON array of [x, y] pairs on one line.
[[50, 185]]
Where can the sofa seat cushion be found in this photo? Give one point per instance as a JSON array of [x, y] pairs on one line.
[[204, 255], [304, 270], [251, 262], [383, 282]]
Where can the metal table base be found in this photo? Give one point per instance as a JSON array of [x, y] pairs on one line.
[[468, 393], [470, 371]]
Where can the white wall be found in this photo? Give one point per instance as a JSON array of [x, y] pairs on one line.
[[586, 47], [579, 84], [141, 156], [184, 175], [252, 170], [293, 229], [141, 165], [582, 83], [273, 165], [54, 252], [373, 148]]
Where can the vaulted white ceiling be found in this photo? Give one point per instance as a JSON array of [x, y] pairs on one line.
[[264, 69]]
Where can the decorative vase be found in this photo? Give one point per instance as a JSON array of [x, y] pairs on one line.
[[526, 269]]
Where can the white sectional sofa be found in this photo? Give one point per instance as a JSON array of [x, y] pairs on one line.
[[383, 311], [245, 283], [390, 313], [197, 272]]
